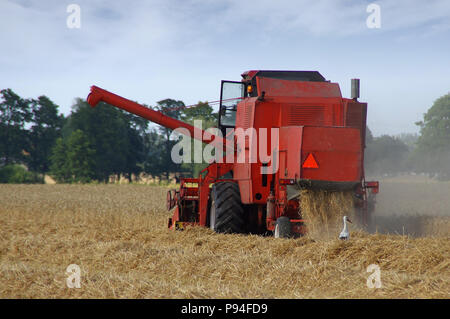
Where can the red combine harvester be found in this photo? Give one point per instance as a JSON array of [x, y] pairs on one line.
[[315, 139]]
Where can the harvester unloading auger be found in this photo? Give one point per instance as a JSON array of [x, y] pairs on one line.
[[319, 144]]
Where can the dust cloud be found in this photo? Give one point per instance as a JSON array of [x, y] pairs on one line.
[[412, 205]]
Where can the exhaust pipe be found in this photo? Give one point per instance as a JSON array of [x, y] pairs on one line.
[[355, 89]]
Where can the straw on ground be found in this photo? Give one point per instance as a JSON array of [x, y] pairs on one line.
[[117, 235]]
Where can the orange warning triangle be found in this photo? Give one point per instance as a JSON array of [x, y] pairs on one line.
[[310, 162]]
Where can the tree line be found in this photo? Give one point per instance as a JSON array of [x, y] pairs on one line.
[[89, 144], [427, 152], [93, 145]]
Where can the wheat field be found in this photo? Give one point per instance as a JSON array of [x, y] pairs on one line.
[[118, 236]]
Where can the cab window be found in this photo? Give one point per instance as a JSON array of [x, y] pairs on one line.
[[231, 94]]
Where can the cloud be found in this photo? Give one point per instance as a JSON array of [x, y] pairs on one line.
[[37, 29], [322, 17], [151, 50]]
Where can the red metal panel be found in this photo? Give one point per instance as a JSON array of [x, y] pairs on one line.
[[306, 115], [245, 187], [278, 87], [291, 143], [244, 114], [355, 114], [242, 171], [267, 116], [337, 151], [310, 111]]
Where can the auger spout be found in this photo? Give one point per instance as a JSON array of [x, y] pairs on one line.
[[98, 95]]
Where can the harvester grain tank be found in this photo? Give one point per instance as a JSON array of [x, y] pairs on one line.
[[319, 144]]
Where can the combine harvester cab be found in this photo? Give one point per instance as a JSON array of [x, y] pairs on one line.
[[290, 130]]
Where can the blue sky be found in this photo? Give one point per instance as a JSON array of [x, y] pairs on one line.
[[152, 50]]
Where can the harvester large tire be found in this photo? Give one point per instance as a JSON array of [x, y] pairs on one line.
[[283, 228], [226, 212]]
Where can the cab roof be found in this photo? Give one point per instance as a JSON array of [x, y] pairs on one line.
[[312, 76]]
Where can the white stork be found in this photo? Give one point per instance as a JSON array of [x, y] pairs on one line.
[[345, 235]]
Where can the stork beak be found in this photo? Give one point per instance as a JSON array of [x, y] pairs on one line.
[[348, 219]]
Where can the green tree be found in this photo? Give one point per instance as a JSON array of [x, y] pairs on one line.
[[201, 112], [433, 146], [107, 132], [46, 128], [17, 174], [73, 159], [171, 108], [135, 152], [410, 139], [435, 127], [116, 136], [60, 168], [80, 157], [14, 115], [386, 155], [154, 145]]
